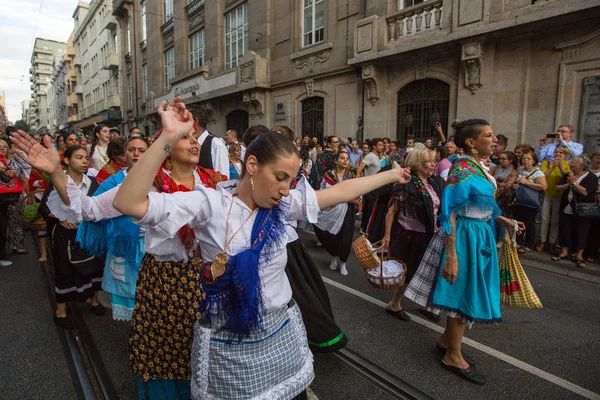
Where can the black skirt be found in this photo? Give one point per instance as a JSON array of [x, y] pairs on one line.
[[309, 292], [410, 247], [339, 245], [73, 282]]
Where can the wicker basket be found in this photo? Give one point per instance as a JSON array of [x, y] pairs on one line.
[[37, 225], [387, 282], [367, 252]]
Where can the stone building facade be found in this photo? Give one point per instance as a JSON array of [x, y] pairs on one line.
[[96, 62], [326, 67], [246, 62], [42, 58], [524, 65]]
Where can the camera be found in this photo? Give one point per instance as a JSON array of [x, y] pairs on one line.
[[552, 136]]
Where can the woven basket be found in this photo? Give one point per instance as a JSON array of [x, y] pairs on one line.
[[37, 225], [388, 282], [366, 252]]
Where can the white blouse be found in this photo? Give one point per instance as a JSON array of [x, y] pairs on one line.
[[63, 212], [206, 211], [100, 208]]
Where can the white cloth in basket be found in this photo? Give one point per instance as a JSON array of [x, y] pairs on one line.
[[391, 268]]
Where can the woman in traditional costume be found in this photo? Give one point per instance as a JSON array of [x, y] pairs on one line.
[[252, 341], [168, 292], [116, 159], [411, 221], [78, 277], [460, 273], [335, 227], [99, 147]]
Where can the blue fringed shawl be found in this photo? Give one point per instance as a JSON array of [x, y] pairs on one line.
[[467, 187], [119, 236], [238, 292]]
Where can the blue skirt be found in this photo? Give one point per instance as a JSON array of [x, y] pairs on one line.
[[163, 389], [475, 296]]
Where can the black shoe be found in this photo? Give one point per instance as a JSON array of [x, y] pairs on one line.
[[470, 374], [63, 322], [98, 309], [443, 351], [401, 314], [430, 316]]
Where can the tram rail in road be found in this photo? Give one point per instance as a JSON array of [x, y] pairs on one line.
[[91, 381], [379, 376], [88, 374]]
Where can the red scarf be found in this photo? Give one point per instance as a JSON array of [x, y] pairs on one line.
[[110, 168], [165, 184], [14, 186]]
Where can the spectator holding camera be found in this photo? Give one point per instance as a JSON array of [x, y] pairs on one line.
[[562, 137]]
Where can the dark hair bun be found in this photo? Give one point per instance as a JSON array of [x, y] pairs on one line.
[[253, 132], [458, 125]]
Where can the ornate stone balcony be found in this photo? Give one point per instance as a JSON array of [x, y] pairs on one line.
[[420, 19]]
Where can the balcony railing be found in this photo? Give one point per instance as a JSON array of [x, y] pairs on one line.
[[111, 62], [194, 7], [110, 22], [143, 45], [113, 101], [77, 61], [422, 18], [167, 27]]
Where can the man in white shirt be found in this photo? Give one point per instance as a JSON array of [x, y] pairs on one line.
[[562, 136], [231, 137], [213, 153]]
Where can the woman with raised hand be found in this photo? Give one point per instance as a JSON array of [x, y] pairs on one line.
[[77, 278], [252, 326], [168, 292], [459, 272]]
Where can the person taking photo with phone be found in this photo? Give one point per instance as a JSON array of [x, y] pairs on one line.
[[562, 136]]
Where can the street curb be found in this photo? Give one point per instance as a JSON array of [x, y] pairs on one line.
[[561, 269]]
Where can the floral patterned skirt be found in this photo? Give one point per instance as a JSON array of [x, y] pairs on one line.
[[169, 296]]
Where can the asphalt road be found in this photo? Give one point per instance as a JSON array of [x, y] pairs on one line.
[[551, 353]]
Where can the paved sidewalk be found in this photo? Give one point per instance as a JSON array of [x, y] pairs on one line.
[[543, 261], [31, 355]]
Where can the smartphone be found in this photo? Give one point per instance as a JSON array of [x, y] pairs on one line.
[[552, 136]]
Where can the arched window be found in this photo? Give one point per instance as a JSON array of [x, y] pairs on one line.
[[313, 117], [421, 104], [238, 121]]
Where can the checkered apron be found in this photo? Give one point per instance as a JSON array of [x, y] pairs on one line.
[[274, 363], [421, 284]]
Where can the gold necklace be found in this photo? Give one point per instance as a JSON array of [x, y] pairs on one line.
[[219, 266]]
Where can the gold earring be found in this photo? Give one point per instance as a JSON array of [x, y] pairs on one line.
[[252, 183], [474, 151]]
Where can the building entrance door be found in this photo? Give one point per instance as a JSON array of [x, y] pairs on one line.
[[422, 104], [238, 121], [589, 124]]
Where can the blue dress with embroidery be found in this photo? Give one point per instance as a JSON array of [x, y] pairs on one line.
[[475, 296]]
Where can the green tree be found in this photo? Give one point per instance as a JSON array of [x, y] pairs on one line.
[[22, 125]]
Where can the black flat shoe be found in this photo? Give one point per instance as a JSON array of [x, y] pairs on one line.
[[401, 314], [430, 316], [470, 374], [63, 322], [443, 351], [98, 309]]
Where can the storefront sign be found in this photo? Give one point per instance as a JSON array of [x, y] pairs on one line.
[[198, 86], [280, 113]]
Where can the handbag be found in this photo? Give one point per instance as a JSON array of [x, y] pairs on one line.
[[588, 210], [5, 178], [515, 288], [528, 197]]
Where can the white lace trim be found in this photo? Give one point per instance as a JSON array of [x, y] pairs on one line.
[[200, 352], [121, 313]]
